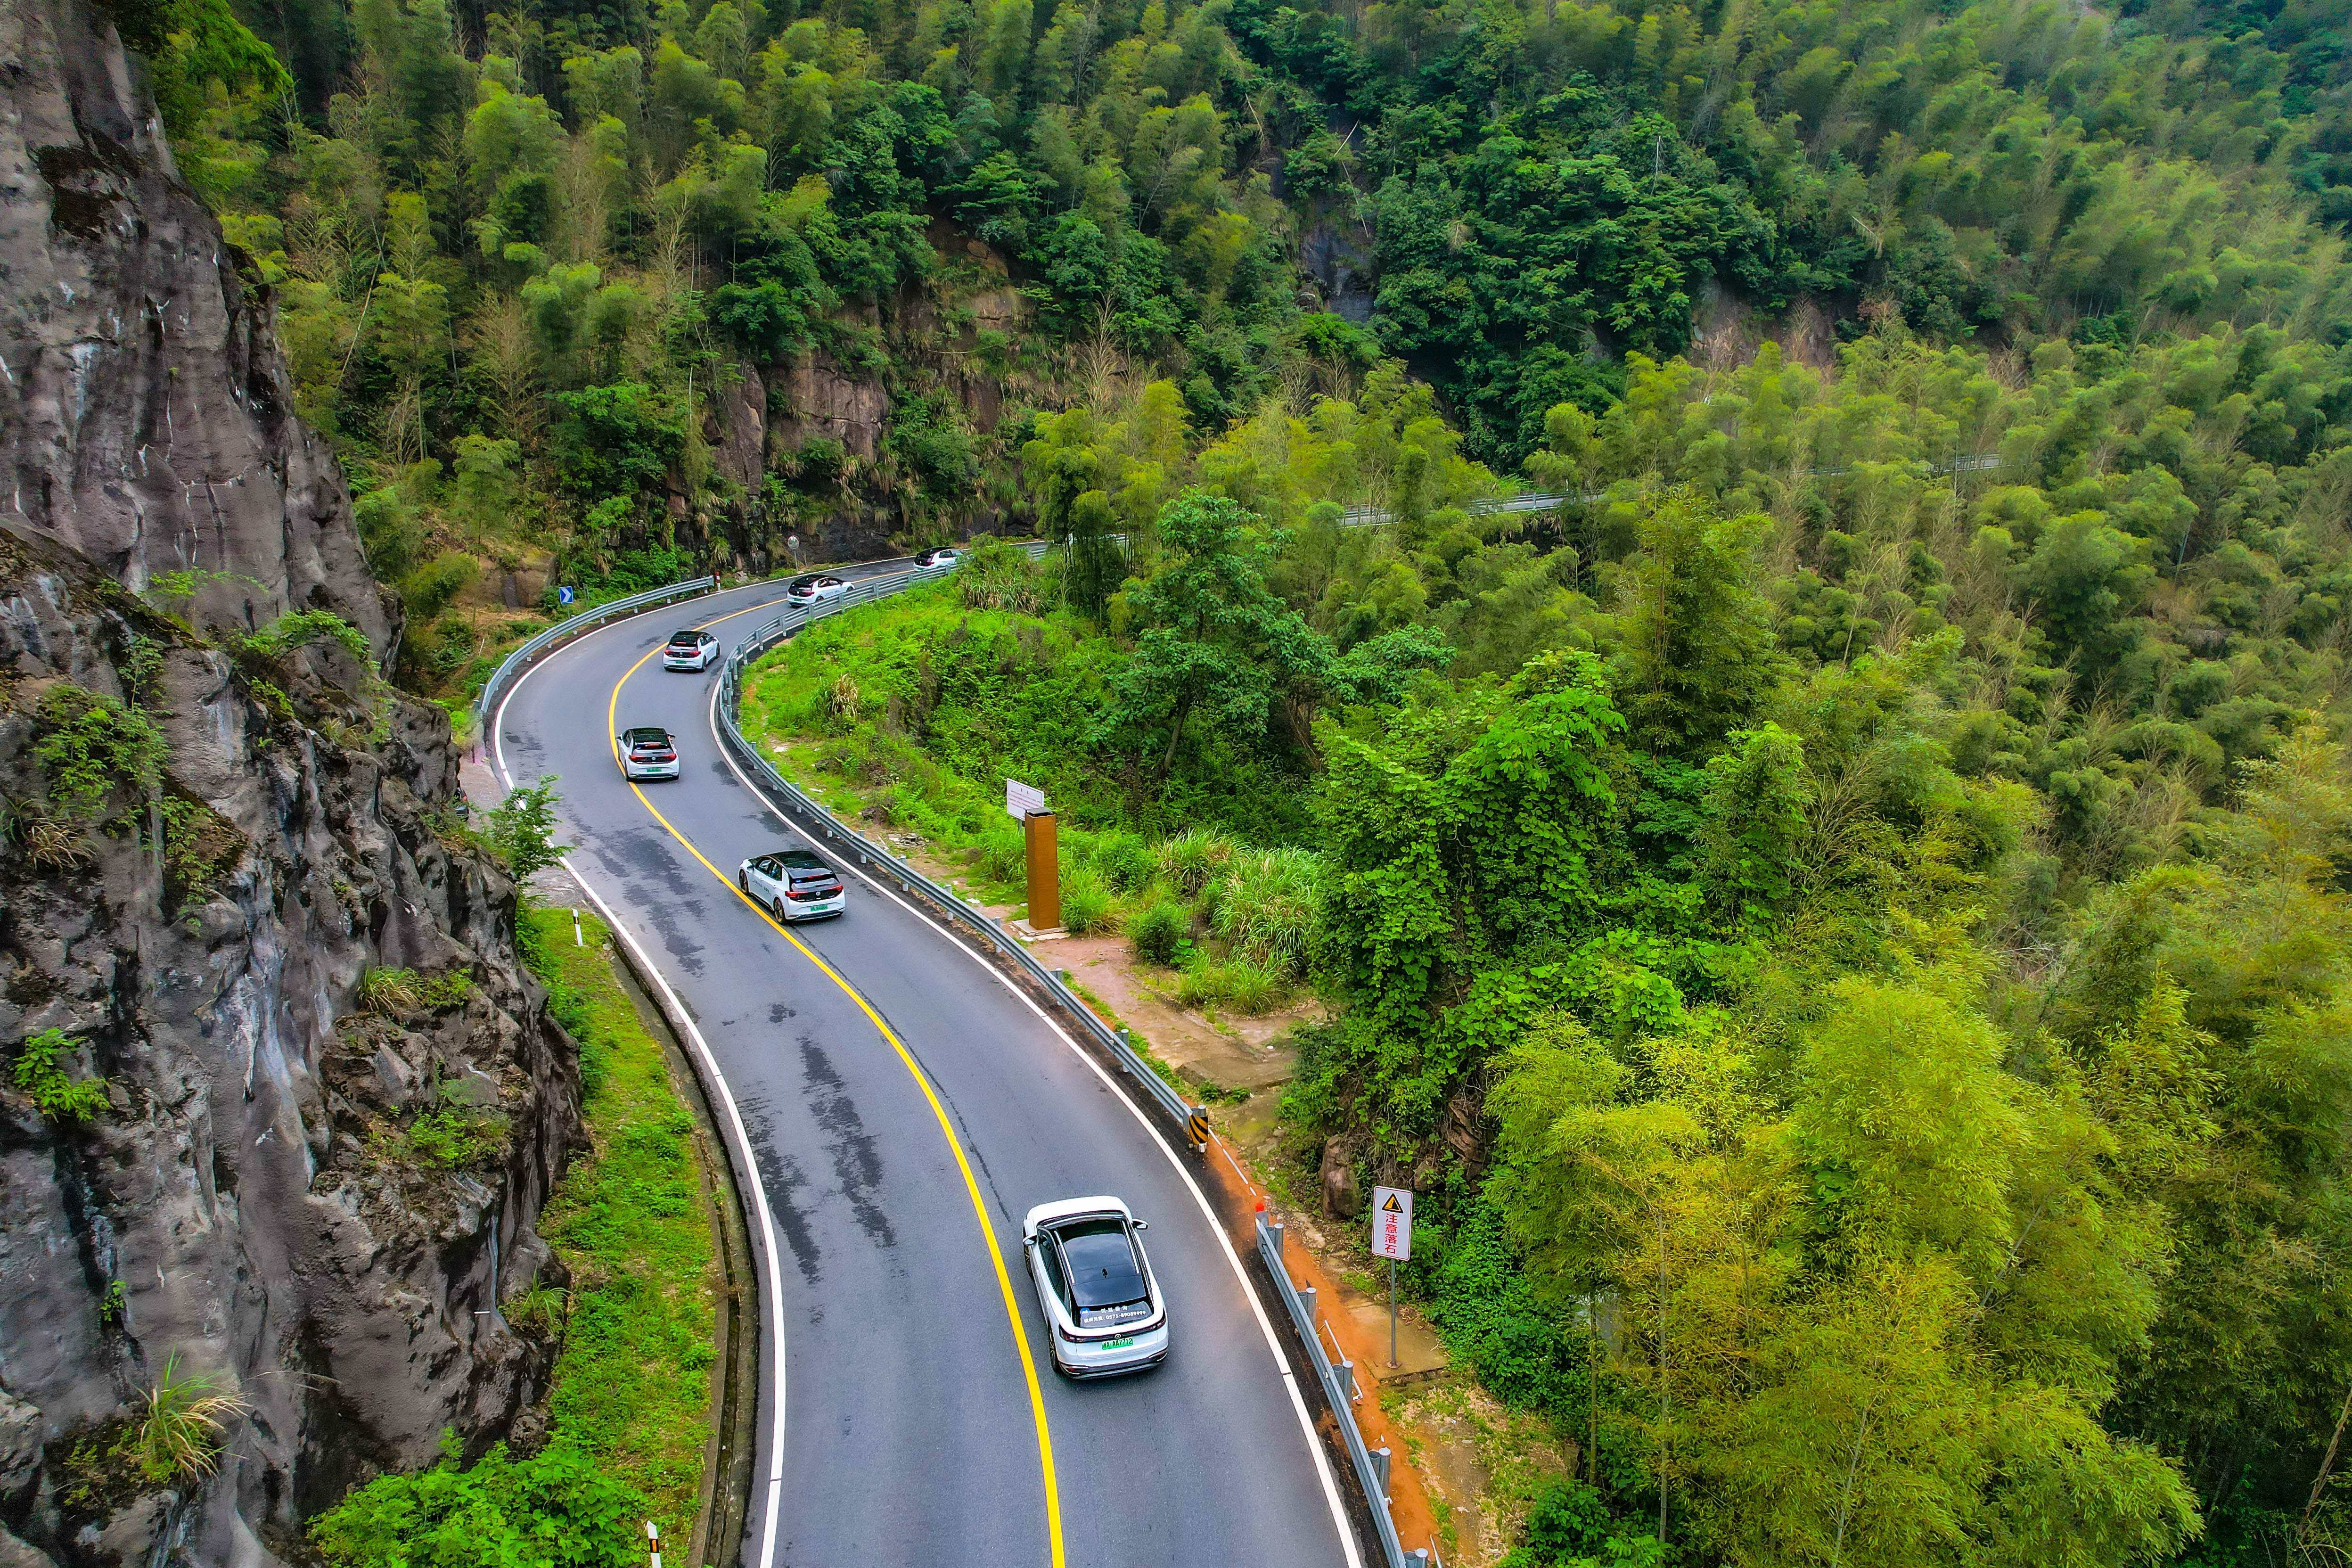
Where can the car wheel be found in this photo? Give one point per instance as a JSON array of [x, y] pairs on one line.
[[743, 882], [780, 911]]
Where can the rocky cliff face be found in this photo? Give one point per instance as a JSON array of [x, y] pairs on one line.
[[235, 891], [767, 417]]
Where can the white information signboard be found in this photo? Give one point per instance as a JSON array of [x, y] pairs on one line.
[[1023, 800], [1392, 1223]]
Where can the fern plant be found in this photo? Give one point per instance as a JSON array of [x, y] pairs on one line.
[[40, 1073]]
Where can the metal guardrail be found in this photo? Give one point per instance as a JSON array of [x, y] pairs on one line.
[[1545, 500], [563, 631], [1339, 1391]]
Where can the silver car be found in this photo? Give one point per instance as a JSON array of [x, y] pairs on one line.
[[646, 754], [1103, 1309]]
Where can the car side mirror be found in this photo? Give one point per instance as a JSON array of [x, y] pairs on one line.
[[1143, 1225]]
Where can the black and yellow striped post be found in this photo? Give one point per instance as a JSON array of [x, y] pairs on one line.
[[1196, 1128]]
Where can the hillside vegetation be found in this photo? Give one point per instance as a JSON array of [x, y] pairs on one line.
[[1845, 919], [1850, 942]]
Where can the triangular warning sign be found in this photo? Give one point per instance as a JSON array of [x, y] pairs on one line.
[[1393, 1206]]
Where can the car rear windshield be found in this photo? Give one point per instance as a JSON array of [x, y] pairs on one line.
[[683, 639], [648, 737], [1103, 1268], [803, 861]]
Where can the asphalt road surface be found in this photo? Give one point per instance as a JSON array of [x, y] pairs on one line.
[[893, 1104]]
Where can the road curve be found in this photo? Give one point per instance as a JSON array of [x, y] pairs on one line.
[[896, 1092]]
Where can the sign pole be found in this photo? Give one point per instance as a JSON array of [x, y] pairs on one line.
[[1392, 1239]]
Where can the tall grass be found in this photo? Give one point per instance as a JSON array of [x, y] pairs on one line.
[[180, 1431], [1271, 907], [1196, 857]]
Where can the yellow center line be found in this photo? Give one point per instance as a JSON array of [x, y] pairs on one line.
[[939, 1111]]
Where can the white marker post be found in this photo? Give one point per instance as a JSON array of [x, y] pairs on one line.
[[1392, 1239]]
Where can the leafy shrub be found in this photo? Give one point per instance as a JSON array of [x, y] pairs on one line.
[[456, 1135], [430, 589], [1158, 931], [1123, 860], [1088, 902], [520, 830], [91, 746], [993, 576], [41, 1075], [180, 1432], [301, 629], [1492, 1320], [447, 989], [390, 531], [555, 1509], [621, 440], [1271, 909]]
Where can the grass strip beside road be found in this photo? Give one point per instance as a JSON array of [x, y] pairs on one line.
[[631, 1219]]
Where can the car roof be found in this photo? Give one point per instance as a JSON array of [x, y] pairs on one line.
[[642, 730], [802, 860], [689, 633], [1070, 1208]]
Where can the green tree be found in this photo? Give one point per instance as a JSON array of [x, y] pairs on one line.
[[1213, 641], [1697, 653]]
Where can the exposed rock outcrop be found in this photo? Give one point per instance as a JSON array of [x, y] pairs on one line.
[[333, 1106], [145, 414]]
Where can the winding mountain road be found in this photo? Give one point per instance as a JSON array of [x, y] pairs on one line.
[[905, 1106]]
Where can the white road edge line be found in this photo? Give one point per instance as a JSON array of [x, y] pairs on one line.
[[1266, 1326], [770, 1264]]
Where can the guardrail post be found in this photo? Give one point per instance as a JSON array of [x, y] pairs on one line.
[[1417, 1558], [1307, 1301], [1273, 1231], [1380, 1473]]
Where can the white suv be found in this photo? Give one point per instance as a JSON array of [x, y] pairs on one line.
[[1102, 1305]]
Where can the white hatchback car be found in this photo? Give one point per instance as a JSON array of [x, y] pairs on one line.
[[792, 885], [646, 754], [1103, 1308], [815, 589], [690, 649]]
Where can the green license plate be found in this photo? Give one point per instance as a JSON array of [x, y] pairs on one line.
[[1120, 1344]]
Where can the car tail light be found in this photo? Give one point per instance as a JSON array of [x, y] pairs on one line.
[[647, 755], [810, 892]]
